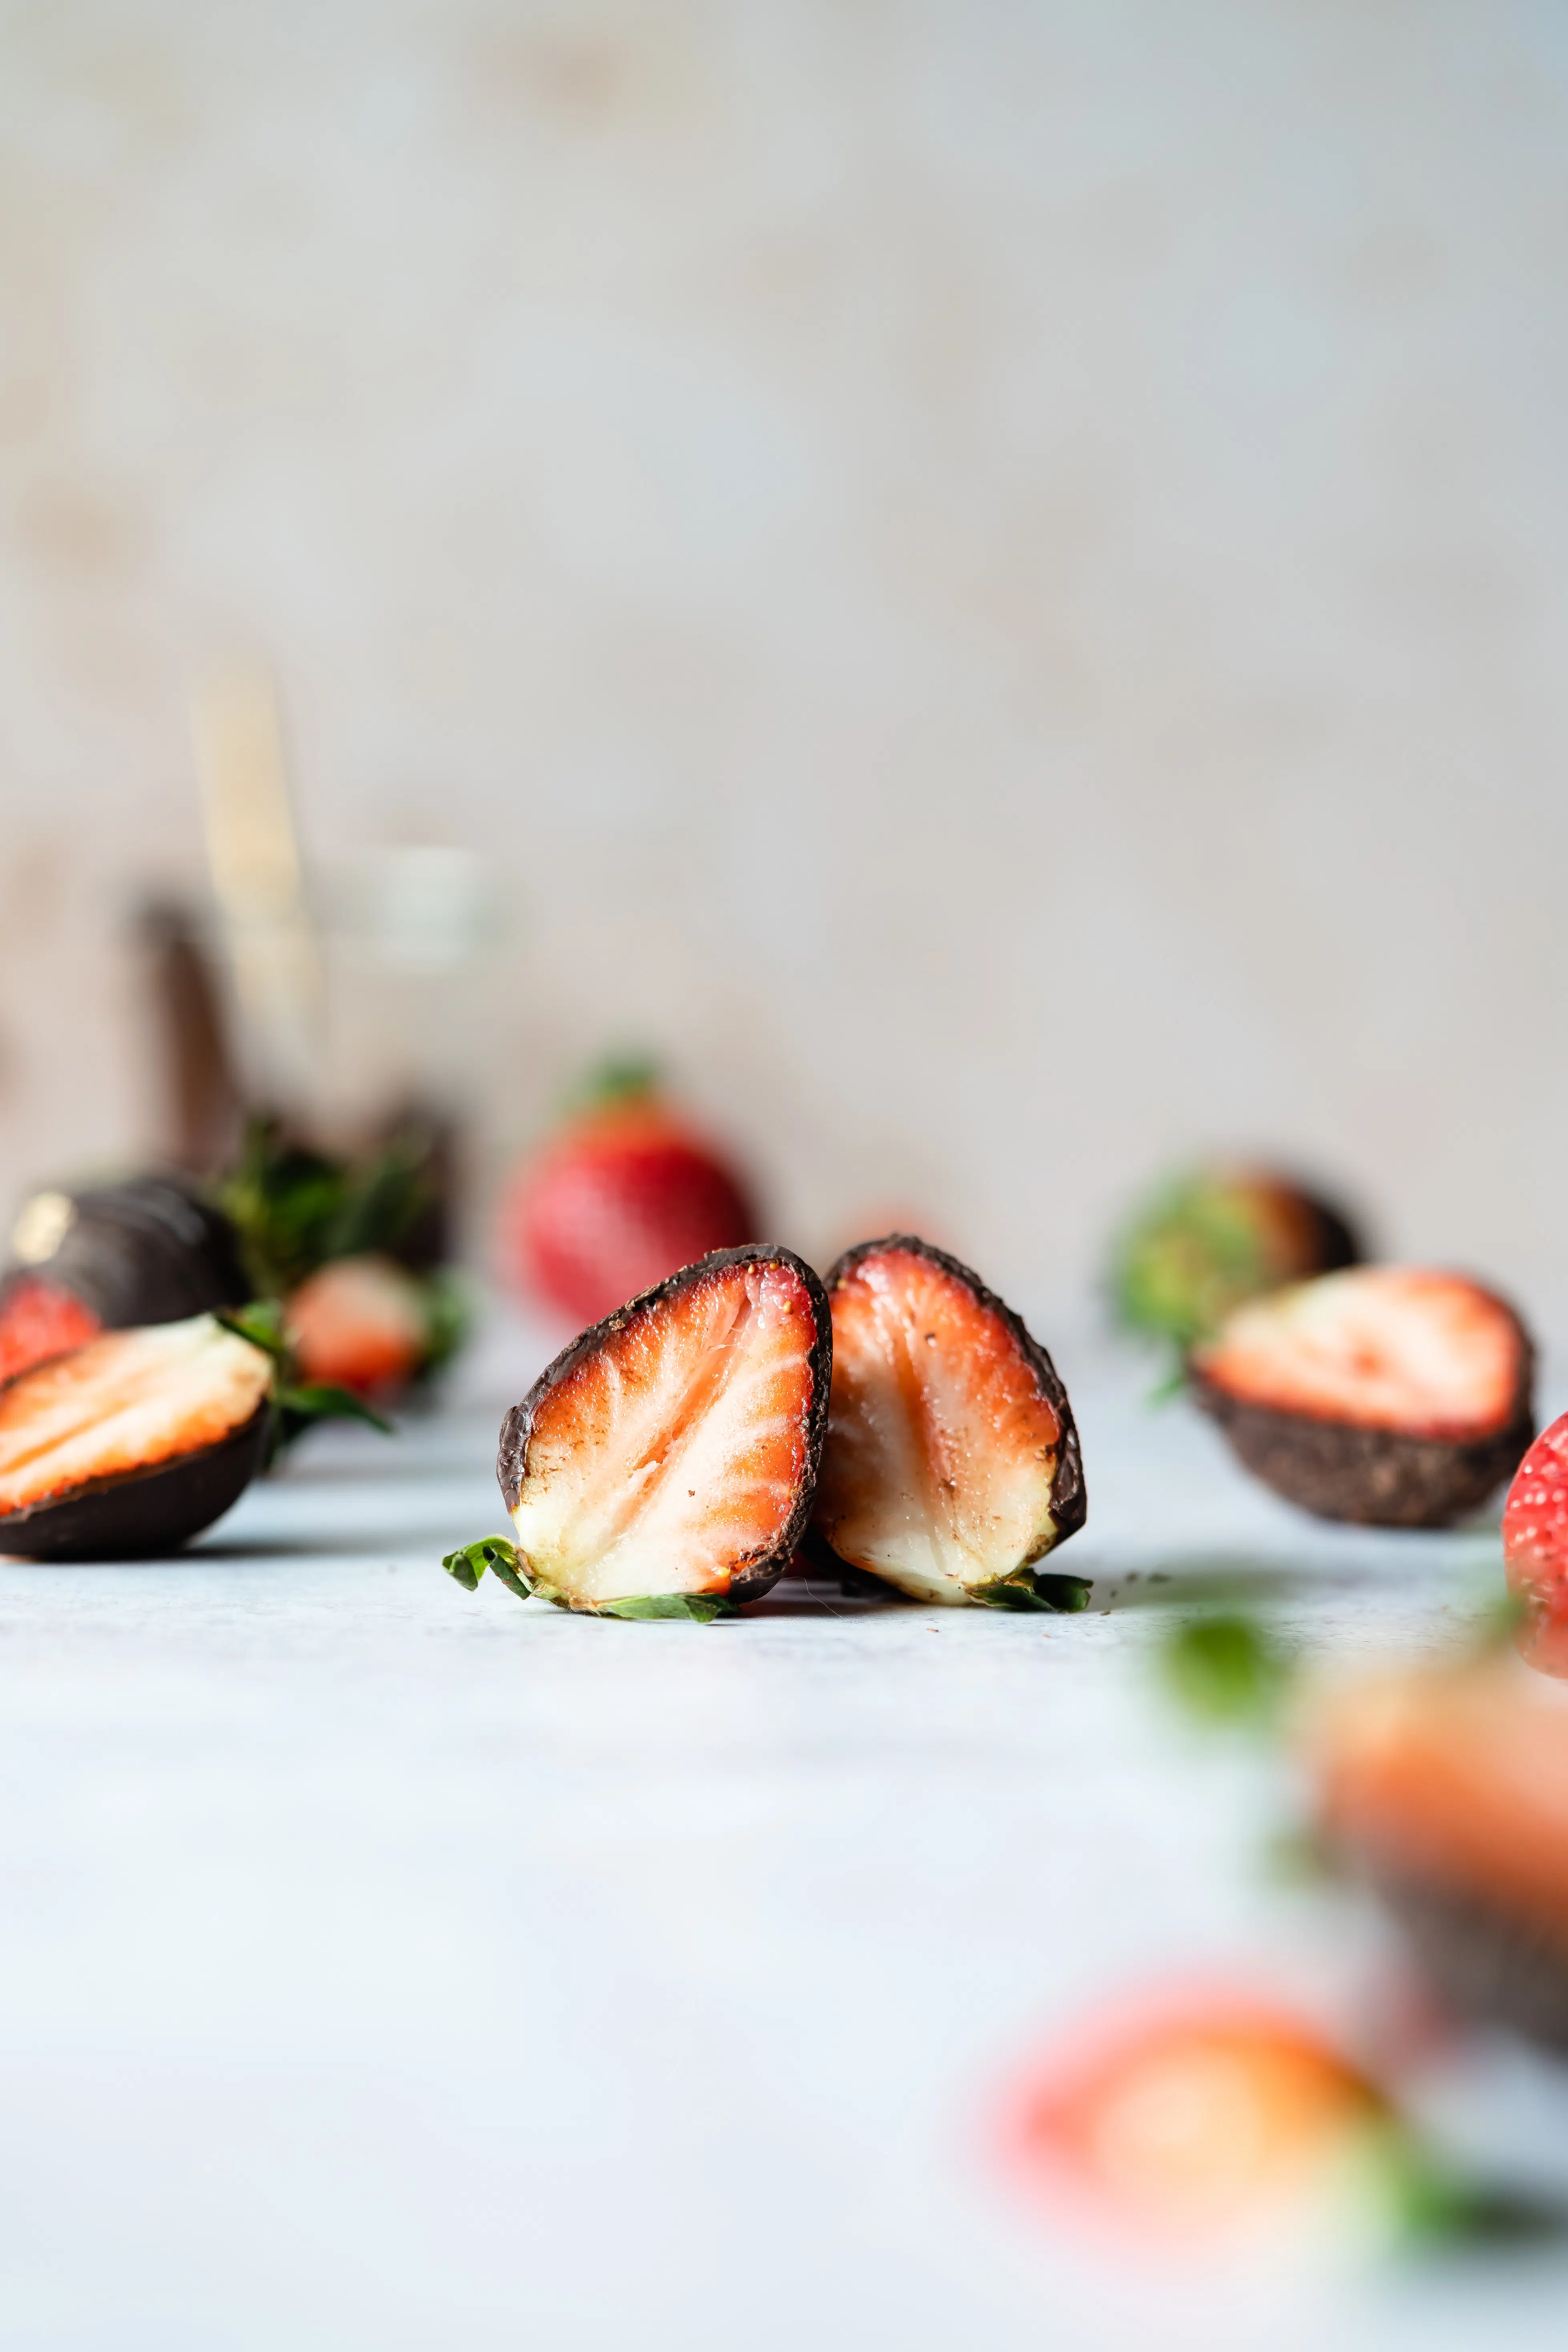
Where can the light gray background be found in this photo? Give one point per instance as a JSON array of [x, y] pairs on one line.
[[992, 575]]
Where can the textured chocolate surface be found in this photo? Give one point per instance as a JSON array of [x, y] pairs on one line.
[[1373, 1477]]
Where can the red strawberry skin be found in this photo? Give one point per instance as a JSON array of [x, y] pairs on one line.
[[39, 1320], [1535, 1548], [621, 1198]]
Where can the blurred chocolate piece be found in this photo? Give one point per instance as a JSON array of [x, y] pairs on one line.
[[150, 1250], [202, 1106]]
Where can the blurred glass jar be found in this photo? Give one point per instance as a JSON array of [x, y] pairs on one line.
[[409, 940]]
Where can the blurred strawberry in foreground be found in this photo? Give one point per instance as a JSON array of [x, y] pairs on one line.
[[623, 1194], [1447, 1789], [1192, 2123], [1535, 1548], [1193, 2118]]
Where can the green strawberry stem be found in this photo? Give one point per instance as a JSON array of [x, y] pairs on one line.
[[1032, 1588], [1433, 2206], [296, 1405], [624, 1076], [467, 1564]]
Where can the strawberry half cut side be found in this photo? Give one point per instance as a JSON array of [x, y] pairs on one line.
[[665, 1462], [1392, 1396], [952, 1465], [132, 1445]]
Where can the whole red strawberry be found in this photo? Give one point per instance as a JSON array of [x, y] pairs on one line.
[[1535, 1548], [621, 1196]]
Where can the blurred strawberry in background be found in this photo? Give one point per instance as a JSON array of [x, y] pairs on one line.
[[361, 1324], [623, 1193], [354, 1246]]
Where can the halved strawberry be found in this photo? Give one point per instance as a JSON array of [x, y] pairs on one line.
[[1448, 1788], [132, 1443], [1535, 1548], [951, 1463], [664, 1464], [361, 1324], [1395, 1396]]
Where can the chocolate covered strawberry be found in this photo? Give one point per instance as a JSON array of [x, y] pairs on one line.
[[664, 1464], [1214, 1237], [1395, 1396], [622, 1195], [149, 1250], [1535, 1548], [136, 1441], [1448, 1789], [952, 1466], [132, 1443]]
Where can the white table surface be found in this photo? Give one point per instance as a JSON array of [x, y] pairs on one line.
[[384, 1966]]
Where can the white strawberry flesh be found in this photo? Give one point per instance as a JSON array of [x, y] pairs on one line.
[[673, 1455]]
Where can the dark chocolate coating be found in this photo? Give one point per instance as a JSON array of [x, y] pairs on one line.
[[142, 1513], [147, 1251], [1337, 1244], [1484, 1961], [1069, 1501], [758, 1574], [1372, 1478]]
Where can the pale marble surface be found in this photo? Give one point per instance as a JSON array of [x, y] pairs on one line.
[[386, 1967]]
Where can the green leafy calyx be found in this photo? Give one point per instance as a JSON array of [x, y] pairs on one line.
[[1189, 1256], [295, 1209], [296, 1405], [468, 1563], [1032, 1588], [700, 1608]]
